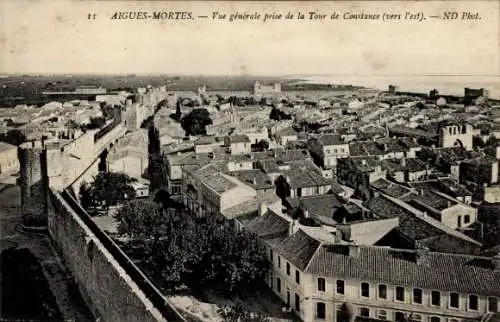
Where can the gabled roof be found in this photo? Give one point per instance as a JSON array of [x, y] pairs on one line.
[[6, 146], [269, 225], [239, 138], [287, 132], [439, 271], [298, 249], [331, 139]]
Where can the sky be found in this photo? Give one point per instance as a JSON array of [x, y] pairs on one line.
[[57, 37]]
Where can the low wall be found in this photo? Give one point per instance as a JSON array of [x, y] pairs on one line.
[[113, 287]]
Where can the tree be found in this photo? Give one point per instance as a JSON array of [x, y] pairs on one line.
[[96, 123], [154, 145], [176, 247], [263, 145], [196, 122], [275, 114], [237, 313], [14, 137], [140, 219], [282, 187], [178, 112], [86, 198], [163, 197], [155, 160], [112, 187]]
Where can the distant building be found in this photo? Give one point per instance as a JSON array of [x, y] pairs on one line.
[[472, 94], [260, 89], [393, 89], [456, 135], [8, 158]]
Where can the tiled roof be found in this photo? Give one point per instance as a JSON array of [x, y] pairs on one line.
[[257, 179], [390, 188], [251, 206], [331, 139], [239, 138], [269, 225], [286, 132], [305, 176], [322, 207], [445, 272], [432, 199], [6, 146], [409, 224], [219, 183], [298, 249]]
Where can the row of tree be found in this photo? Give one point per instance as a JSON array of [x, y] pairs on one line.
[[176, 248]]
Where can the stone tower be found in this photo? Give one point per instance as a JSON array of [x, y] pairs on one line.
[[34, 183]]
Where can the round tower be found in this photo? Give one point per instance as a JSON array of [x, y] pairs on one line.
[[33, 181]]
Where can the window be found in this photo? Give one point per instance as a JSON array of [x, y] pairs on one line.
[[435, 319], [321, 284], [399, 317], [417, 296], [382, 291], [279, 261], [492, 304], [416, 317], [435, 298], [466, 219], [364, 311], [271, 255], [382, 315], [297, 302], [288, 269], [320, 310], [365, 290], [278, 284], [400, 294], [453, 320], [454, 300], [297, 276], [340, 287], [473, 302], [459, 221]]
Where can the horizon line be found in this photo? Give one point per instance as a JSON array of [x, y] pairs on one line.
[[132, 74]]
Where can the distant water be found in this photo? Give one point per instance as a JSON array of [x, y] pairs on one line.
[[446, 85]]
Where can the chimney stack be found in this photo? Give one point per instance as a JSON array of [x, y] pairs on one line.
[[353, 249], [496, 262], [421, 255]]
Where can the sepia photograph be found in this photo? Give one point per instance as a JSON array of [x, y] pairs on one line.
[[250, 161]]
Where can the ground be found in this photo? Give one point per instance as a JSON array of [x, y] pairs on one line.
[[38, 285], [205, 309]]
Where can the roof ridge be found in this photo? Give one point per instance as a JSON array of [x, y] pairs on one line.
[[435, 223]]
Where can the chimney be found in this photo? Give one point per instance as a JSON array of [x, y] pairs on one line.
[[254, 181], [496, 262], [403, 162], [353, 249], [422, 255], [292, 228], [338, 236], [306, 213], [263, 209]]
